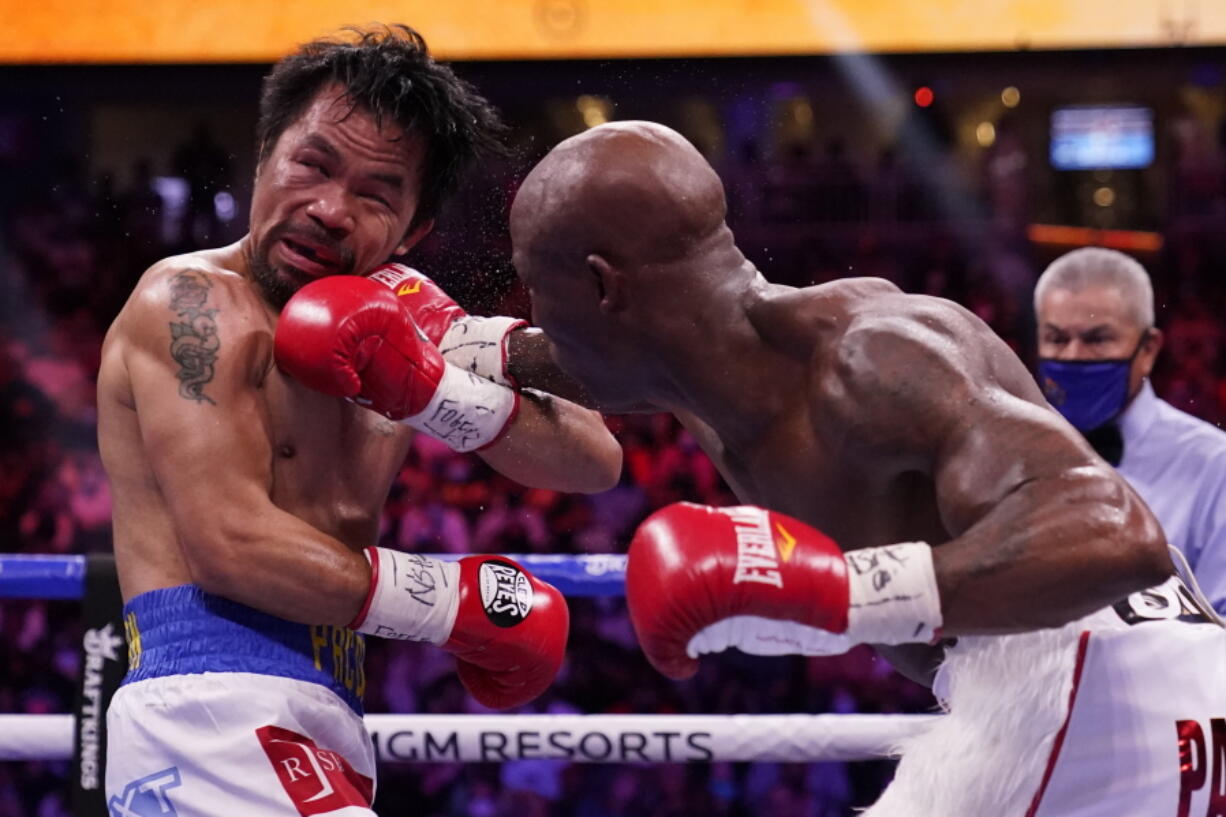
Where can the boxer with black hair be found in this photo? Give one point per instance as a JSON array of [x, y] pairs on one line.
[[251, 448]]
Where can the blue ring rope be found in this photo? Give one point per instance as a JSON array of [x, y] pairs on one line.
[[48, 576]]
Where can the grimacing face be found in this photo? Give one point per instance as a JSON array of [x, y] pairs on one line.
[[335, 196]]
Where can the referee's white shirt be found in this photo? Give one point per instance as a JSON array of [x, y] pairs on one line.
[[1177, 463]]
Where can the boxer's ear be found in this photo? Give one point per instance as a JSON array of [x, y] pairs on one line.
[[610, 283], [413, 236]]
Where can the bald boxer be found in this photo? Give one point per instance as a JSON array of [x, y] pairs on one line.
[[908, 486], [251, 448]]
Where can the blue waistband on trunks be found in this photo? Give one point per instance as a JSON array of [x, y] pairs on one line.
[[183, 630]]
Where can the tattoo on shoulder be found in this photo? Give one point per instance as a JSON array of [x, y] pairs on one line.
[[193, 340]]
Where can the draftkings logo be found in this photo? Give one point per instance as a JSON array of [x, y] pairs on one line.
[[100, 645], [147, 797]]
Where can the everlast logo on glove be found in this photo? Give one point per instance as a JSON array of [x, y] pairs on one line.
[[506, 593], [757, 559]]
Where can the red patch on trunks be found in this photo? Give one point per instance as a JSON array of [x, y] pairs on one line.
[[317, 780]]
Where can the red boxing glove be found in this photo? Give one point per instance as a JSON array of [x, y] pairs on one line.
[[510, 632], [432, 309], [352, 338], [703, 579], [507, 628], [476, 344]]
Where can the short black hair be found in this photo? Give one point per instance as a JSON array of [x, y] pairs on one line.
[[388, 71]]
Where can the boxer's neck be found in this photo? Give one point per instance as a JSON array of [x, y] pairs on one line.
[[719, 368]]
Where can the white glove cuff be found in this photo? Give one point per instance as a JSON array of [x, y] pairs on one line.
[[765, 636], [411, 597], [479, 345], [894, 597], [467, 412]]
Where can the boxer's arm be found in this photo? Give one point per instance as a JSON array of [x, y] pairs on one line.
[[1044, 531], [208, 438], [532, 366], [557, 445]]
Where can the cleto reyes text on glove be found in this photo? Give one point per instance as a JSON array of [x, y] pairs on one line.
[[506, 628]]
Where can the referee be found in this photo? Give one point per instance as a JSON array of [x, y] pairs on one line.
[[1097, 346]]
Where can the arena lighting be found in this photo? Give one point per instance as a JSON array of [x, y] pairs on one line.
[[923, 96], [985, 134], [1065, 236], [1011, 97], [595, 110], [885, 99]]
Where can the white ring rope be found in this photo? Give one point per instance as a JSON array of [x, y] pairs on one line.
[[576, 738], [36, 737]]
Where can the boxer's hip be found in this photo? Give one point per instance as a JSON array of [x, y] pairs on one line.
[[1045, 722], [217, 744], [185, 631]]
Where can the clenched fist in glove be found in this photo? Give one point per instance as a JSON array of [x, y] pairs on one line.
[[474, 343], [506, 628], [353, 338], [703, 579]]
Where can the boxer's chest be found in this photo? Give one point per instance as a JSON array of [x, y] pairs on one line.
[[333, 462]]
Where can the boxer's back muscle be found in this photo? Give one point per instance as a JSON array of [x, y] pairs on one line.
[[320, 459], [839, 453], [816, 459]]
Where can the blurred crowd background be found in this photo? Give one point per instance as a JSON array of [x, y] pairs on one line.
[[934, 171]]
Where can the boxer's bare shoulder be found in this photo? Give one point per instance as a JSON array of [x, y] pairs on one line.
[[179, 393], [896, 366], [189, 304]]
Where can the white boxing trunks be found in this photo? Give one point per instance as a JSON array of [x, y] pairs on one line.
[[228, 711], [1120, 714]]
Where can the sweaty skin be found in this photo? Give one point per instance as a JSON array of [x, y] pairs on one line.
[[873, 415], [227, 473]]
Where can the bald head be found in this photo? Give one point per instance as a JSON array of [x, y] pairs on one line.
[[619, 236], [634, 192], [1094, 268]]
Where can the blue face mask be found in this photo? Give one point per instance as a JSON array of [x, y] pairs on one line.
[[1089, 393]]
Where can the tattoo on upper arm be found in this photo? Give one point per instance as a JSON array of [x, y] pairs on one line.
[[193, 340]]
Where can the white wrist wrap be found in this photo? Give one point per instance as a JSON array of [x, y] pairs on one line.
[[479, 345], [412, 597], [467, 412], [894, 598]]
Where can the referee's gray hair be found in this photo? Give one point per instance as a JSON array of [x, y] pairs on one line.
[[1097, 266]]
